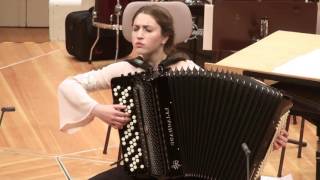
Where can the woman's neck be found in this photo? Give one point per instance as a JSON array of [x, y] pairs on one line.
[[155, 59]]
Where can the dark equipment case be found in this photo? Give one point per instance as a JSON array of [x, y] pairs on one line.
[[81, 34]]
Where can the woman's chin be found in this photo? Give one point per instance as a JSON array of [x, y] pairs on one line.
[[141, 52]]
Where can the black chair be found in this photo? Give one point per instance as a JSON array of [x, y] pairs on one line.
[[305, 105]]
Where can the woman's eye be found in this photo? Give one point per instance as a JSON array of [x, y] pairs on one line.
[[135, 28], [148, 29]]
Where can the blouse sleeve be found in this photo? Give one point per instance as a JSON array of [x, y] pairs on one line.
[[75, 104]]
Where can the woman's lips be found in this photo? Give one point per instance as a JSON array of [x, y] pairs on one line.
[[139, 45]]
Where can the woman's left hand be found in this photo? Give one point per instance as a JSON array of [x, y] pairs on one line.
[[281, 140]]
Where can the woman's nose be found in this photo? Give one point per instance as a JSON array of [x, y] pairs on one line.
[[140, 33]]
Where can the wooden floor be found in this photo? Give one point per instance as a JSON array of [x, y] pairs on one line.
[[31, 145]]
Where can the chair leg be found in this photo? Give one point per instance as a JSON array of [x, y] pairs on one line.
[[301, 137], [294, 119], [105, 149], [119, 155], [293, 141], [283, 150]]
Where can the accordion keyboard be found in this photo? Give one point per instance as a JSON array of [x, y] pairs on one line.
[[130, 137]]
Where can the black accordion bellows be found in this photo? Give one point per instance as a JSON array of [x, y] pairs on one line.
[[192, 123]]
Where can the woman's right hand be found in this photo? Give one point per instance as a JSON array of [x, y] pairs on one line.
[[112, 114]]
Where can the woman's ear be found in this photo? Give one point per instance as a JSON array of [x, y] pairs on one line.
[[164, 40]]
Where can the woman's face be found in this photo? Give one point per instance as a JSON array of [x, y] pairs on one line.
[[146, 35]]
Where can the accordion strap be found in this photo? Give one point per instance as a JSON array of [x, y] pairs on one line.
[[140, 63], [163, 66]]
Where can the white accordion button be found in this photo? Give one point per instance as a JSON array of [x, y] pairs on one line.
[[134, 117], [131, 100], [141, 166], [129, 88], [115, 89], [118, 87], [126, 159], [115, 94]]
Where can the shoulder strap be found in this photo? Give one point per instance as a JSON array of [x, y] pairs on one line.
[[173, 59], [170, 60], [140, 63]]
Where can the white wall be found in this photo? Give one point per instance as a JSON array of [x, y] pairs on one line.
[[37, 13], [58, 10], [24, 13], [13, 13]]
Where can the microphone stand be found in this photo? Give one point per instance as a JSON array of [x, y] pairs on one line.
[[6, 109], [247, 152]]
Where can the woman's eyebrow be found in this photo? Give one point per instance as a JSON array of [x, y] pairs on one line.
[[144, 26]]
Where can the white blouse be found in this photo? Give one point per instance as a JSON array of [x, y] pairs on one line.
[[75, 104]]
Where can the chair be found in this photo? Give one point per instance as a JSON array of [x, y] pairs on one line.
[[300, 142], [183, 29], [300, 108]]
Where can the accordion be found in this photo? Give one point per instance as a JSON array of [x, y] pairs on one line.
[[192, 123]]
